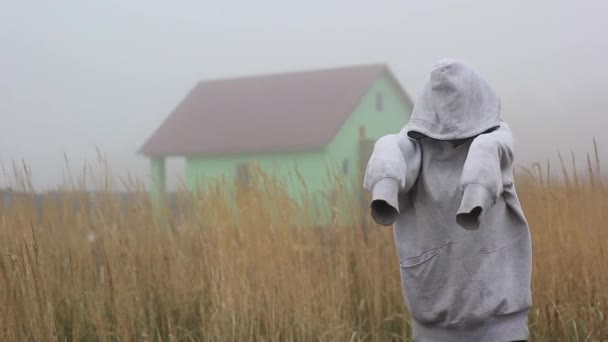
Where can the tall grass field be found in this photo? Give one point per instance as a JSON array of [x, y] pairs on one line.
[[72, 269]]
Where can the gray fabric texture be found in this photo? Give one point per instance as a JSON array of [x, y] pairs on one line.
[[462, 239], [385, 201]]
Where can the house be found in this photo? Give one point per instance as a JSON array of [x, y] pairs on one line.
[[309, 120]]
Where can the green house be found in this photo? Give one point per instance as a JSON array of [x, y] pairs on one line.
[[307, 121]]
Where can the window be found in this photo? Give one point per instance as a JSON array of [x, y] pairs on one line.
[[345, 166], [379, 102]]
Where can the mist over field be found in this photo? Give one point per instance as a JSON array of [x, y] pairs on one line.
[[76, 76]]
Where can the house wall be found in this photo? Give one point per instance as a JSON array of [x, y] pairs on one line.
[[313, 166], [376, 123], [281, 165]]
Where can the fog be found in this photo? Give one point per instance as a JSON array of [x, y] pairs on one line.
[[81, 75]]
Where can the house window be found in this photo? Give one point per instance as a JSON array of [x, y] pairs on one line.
[[345, 166], [379, 102]]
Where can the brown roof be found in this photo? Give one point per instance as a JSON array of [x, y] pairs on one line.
[[271, 113]]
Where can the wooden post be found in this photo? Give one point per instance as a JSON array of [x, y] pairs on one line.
[[158, 187], [158, 174]]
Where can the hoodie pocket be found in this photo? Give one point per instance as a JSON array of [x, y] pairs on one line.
[[422, 258], [505, 274], [438, 288]]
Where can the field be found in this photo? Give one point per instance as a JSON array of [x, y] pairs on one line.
[[118, 272]]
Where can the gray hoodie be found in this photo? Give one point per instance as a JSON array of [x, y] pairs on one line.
[[445, 184]]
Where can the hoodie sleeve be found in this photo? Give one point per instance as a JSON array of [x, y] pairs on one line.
[[392, 168], [489, 156]]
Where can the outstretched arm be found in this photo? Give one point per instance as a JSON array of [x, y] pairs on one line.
[[482, 179], [392, 168]]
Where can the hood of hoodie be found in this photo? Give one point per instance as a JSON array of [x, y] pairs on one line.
[[456, 103]]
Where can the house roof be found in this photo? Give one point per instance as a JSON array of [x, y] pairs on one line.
[[261, 114]]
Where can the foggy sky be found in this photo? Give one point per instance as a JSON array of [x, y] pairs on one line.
[[76, 75]]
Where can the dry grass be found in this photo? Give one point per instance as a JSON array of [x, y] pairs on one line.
[[205, 274]]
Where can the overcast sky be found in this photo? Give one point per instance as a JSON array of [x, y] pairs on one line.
[[75, 75]]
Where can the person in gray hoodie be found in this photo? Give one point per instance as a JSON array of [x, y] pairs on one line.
[[445, 185]]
